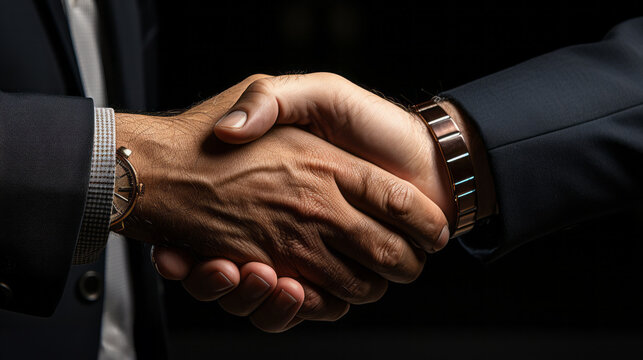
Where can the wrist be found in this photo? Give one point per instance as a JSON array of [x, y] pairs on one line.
[[134, 132], [161, 147]]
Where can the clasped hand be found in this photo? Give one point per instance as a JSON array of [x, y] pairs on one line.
[[299, 222]]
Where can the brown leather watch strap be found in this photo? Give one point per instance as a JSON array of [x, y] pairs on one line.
[[455, 154]]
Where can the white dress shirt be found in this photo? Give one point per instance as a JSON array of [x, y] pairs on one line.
[[117, 340]]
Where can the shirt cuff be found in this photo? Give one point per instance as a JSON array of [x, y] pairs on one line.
[[94, 229]]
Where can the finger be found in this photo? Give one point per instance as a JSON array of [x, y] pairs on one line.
[[172, 263], [258, 282], [342, 278], [377, 248], [277, 312], [319, 305], [251, 116], [209, 280], [397, 202]]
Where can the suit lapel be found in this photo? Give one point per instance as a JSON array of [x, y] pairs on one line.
[[122, 50], [55, 19]]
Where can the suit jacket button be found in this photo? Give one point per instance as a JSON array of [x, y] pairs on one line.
[[90, 286], [6, 295]]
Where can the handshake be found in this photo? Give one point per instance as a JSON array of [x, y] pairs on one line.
[[334, 192]]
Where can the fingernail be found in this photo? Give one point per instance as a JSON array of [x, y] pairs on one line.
[[443, 239], [257, 287], [234, 120], [284, 300], [221, 282]]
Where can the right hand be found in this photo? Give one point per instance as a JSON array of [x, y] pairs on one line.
[[332, 221], [253, 290]]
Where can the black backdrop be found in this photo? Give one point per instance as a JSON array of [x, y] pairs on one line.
[[574, 294]]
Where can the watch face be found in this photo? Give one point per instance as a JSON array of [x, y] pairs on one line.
[[124, 189]]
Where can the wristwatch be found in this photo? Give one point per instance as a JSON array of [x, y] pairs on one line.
[[127, 189]]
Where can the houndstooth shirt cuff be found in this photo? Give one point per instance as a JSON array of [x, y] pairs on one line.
[[94, 229]]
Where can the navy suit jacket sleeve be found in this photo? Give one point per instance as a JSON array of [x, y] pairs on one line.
[[564, 134], [45, 153]]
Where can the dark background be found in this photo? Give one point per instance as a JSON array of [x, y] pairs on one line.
[[576, 294]]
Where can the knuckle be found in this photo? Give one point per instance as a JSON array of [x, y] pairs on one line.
[[299, 248], [318, 307], [389, 255], [357, 292], [329, 76], [313, 205], [312, 306], [364, 292], [255, 77], [261, 85], [399, 200], [411, 274], [248, 81]]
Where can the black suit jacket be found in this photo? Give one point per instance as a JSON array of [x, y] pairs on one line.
[[45, 150], [563, 132]]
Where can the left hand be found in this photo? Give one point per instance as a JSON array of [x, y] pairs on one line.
[[252, 290]]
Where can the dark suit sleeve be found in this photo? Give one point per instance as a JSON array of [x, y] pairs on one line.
[[564, 134], [45, 153]]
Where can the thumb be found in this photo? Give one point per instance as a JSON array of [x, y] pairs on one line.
[[310, 99], [251, 116]]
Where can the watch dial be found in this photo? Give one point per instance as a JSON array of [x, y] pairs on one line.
[[124, 189]]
